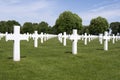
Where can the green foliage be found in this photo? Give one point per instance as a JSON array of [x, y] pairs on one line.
[[3, 27], [50, 30], [31, 27], [98, 25], [53, 61], [35, 26], [68, 21], [7, 26], [85, 29], [43, 27], [115, 26], [10, 25], [28, 27]]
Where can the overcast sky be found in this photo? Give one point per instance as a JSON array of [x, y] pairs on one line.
[[49, 10]]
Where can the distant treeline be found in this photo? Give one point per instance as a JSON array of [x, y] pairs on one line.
[[64, 23]]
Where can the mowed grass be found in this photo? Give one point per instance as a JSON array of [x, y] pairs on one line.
[[52, 61]]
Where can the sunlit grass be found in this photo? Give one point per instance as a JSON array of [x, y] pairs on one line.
[[52, 61]]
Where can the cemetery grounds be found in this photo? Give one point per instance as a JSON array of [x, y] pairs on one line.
[[53, 61]]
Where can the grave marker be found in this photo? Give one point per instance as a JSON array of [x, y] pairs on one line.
[[41, 37], [35, 36], [60, 37], [101, 38], [64, 37], [1, 35], [45, 37], [82, 36], [89, 37], [85, 37], [113, 39], [17, 37], [106, 38], [74, 37]]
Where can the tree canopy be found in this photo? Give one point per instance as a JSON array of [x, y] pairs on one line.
[[85, 29], [115, 26], [43, 27], [68, 21], [28, 27], [7, 26], [98, 25]]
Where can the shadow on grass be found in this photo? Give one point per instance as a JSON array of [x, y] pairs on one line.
[[68, 52], [20, 57], [75, 56]]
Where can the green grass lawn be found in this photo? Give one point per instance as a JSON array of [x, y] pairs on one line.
[[52, 61]]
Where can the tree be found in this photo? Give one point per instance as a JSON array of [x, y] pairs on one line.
[[119, 29], [7, 26], [50, 30], [3, 26], [43, 27], [10, 25], [85, 29], [28, 27], [35, 26], [115, 26], [98, 25], [68, 21]]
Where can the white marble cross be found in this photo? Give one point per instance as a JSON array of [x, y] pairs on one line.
[[41, 37], [17, 37], [45, 37], [28, 36], [35, 36], [113, 39], [116, 38], [85, 37], [101, 38], [89, 37], [74, 37], [82, 36], [6, 35], [64, 37], [60, 37], [1, 35], [106, 38]]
